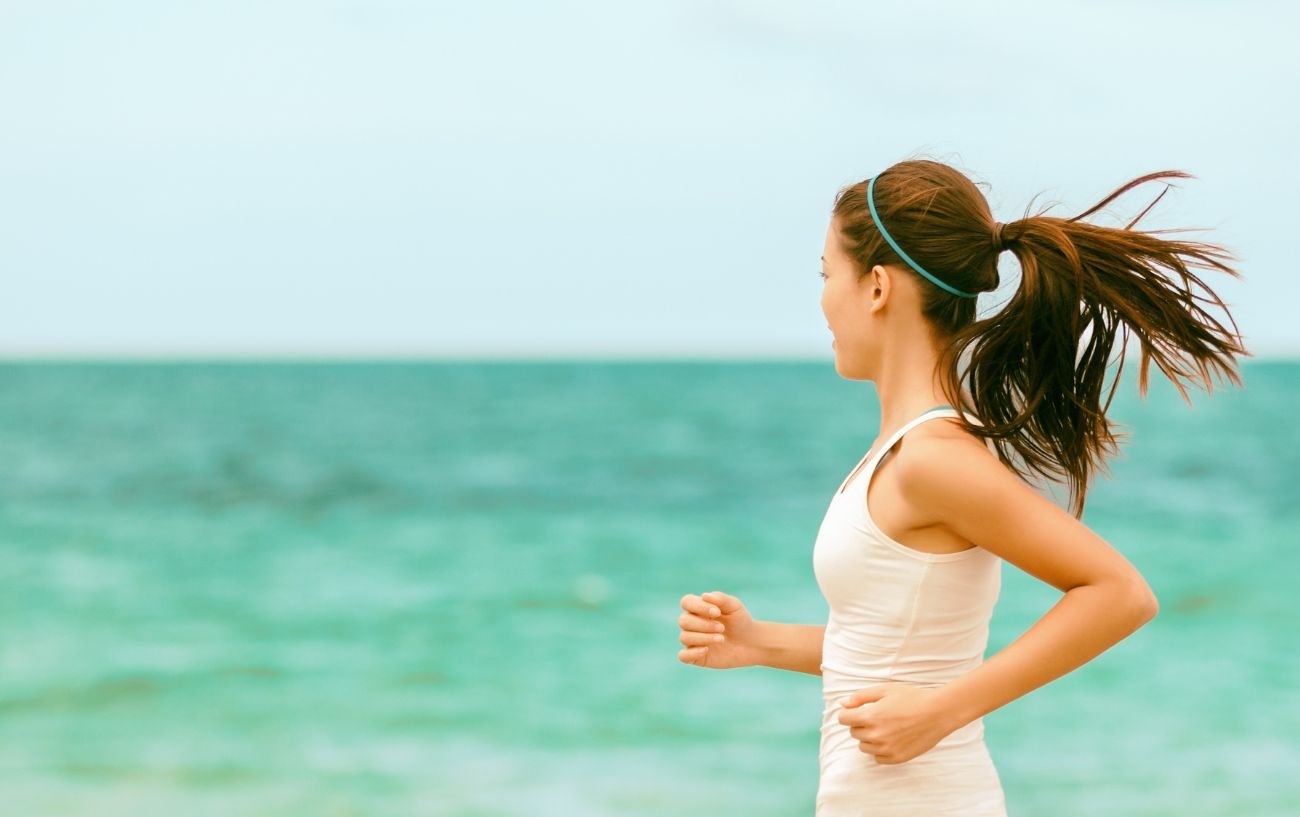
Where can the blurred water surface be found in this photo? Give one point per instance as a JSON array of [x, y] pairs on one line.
[[451, 589]]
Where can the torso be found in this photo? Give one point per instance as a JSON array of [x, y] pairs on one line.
[[913, 611]]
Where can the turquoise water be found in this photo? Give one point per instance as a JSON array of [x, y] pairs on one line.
[[452, 589]]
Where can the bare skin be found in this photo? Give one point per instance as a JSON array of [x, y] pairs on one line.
[[941, 492], [718, 632]]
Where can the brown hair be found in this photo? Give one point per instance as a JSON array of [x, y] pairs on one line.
[[1037, 368]]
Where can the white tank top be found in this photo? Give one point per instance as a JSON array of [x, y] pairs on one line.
[[898, 614]]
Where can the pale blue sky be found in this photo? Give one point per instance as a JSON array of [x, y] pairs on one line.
[[372, 177]]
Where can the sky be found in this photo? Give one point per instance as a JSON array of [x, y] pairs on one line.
[[372, 178]]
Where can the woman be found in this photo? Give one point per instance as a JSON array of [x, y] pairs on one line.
[[909, 552]]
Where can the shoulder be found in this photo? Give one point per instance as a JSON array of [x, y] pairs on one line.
[[951, 478], [944, 468]]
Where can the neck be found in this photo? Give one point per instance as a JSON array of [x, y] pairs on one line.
[[908, 382]]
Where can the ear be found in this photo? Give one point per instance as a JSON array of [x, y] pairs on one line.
[[880, 285]]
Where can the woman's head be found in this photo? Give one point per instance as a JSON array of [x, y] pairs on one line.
[[948, 227], [907, 251]]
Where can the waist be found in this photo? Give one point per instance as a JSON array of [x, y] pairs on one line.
[[839, 680], [836, 739]]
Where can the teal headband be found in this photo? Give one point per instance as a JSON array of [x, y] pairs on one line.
[[880, 225]]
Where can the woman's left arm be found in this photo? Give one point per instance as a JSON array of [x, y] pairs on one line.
[[968, 490]]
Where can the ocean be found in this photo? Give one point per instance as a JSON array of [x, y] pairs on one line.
[[441, 588]]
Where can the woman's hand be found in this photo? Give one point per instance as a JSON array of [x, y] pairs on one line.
[[717, 632], [896, 722]]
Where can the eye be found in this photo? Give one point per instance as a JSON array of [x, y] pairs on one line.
[[821, 274]]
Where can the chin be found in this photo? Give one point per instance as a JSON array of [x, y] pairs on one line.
[[849, 372]]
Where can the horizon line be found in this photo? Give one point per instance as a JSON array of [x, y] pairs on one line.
[[557, 356]]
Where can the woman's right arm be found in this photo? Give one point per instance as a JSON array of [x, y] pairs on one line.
[[719, 633], [794, 647]]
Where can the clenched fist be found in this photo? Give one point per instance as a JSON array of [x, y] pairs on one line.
[[718, 632]]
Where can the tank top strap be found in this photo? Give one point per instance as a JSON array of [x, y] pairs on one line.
[[928, 414], [873, 457]]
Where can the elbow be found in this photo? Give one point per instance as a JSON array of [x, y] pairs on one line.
[[1134, 598], [1145, 603]]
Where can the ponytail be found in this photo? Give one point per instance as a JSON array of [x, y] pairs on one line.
[[1036, 370]]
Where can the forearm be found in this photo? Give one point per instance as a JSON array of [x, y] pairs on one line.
[[1086, 622], [794, 647]]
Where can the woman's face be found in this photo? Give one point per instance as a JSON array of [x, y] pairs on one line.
[[847, 304], [870, 314]]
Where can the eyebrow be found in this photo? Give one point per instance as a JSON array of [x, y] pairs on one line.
[[823, 258]]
